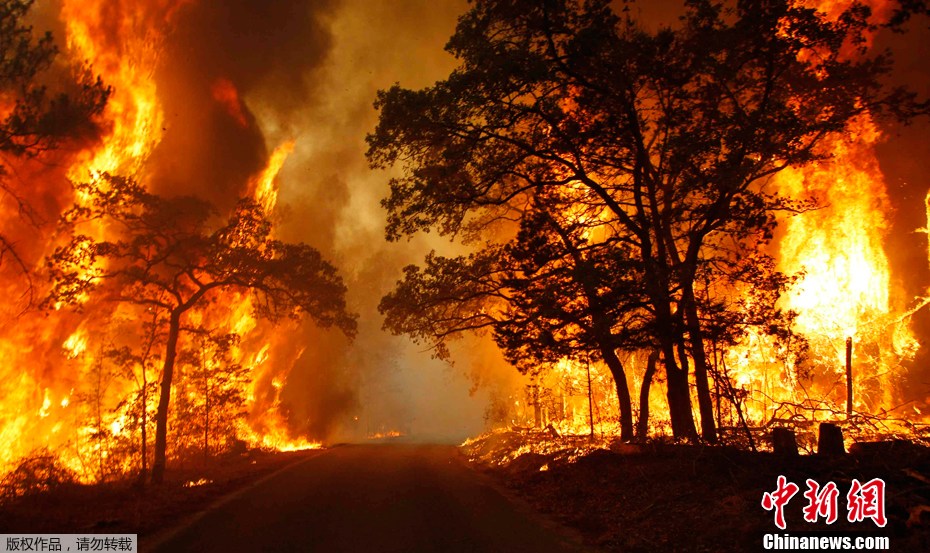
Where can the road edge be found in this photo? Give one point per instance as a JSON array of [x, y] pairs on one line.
[[156, 540]]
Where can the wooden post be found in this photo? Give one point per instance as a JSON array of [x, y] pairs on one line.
[[590, 401], [830, 440], [784, 442], [849, 378], [537, 408]]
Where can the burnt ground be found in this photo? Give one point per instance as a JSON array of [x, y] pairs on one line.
[[662, 497], [616, 497], [121, 507]]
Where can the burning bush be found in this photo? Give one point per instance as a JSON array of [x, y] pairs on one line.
[[40, 471]]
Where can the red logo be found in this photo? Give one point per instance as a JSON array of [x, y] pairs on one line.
[[863, 501]]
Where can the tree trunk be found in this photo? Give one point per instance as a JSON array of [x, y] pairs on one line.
[[206, 402], [144, 469], [642, 429], [590, 400], [678, 389], [679, 396], [623, 392], [696, 338], [161, 416], [537, 408]]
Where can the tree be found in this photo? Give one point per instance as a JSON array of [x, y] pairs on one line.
[[166, 257], [672, 133], [217, 387], [547, 295], [575, 297], [32, 120]]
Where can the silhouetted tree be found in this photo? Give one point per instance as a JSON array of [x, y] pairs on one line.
[[217, 387], [573, 297], [671, 133], [172, 254], [31, 119], [548, 294]]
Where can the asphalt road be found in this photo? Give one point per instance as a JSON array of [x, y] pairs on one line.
[[378, 498]]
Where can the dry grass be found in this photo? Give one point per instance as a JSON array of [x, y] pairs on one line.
[[661, 497]]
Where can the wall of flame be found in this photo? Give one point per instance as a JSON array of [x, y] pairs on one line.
[[223, 99]]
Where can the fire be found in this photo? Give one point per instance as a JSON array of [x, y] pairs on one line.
[[226, 94], [846, 290], [122, 45], [75, 345], [265, 189], [57, 365], [198, 482], [53, 364]]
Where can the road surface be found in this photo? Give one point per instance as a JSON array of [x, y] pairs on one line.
[[377, 498]]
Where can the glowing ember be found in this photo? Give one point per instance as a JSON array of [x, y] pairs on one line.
[[197, 483]]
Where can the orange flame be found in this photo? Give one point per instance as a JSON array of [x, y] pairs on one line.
[[226, 94], [53, 363]]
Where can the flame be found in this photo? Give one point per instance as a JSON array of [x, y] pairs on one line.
[[51, 363], [197, 483], [75, 345], [44, 388], [122, 45], [846, 289], [227, 95], [264, 185]]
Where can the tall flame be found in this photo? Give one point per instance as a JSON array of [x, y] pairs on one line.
[[48, 357], [845, 291]]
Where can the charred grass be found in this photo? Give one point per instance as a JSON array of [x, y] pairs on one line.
[[663, 497]]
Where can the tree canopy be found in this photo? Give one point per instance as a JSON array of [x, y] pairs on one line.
[[661, 143], [33, 119], [173, 254]]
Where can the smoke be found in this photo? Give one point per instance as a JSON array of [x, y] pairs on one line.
[[334, 204], [902, 157], [217, 52], [239, 78]]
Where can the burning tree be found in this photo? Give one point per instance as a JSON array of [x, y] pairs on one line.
[[663, 142], [174, 254], [546, 296], [216, 389], [32, 120]]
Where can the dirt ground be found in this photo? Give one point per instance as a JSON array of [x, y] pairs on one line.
[[656, 497], [121, 507], [617, 497]]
